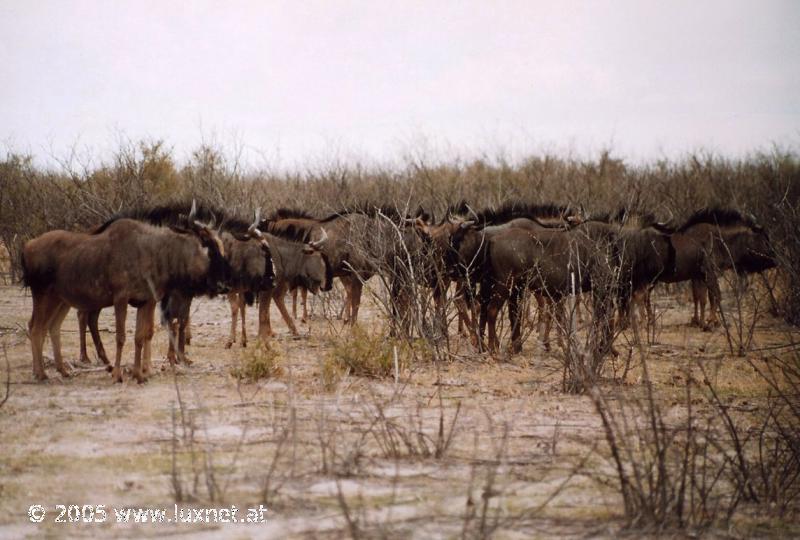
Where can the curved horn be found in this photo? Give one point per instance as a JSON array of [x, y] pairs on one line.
[[193, 211], [318, 243], [252, 230]]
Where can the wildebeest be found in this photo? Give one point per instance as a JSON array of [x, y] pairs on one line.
[[295, 264], [711, 241], [249, 267], [358, 241], [461, 237], [123, 262], [552, 263]]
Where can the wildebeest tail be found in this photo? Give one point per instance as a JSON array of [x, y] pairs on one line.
[[35, 278], [249, 297]]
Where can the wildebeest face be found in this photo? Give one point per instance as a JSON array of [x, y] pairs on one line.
[[219, 269], [753, 251], [316, 272]]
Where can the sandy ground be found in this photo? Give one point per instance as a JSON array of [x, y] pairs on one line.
[[314, 455]]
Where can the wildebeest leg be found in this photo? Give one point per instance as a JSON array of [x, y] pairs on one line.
[[55, 337], [346, 314], [714, 296], [541, 318], [140, 337], [120, 313], [172, 339], [492, 311], [147, 364], [264, 325], [546, 308], [183, 309], [243, 308], [278, 295], [303, 300], [356, 288], [439, 300], [83, 317], [648, 303], [44, 308], [187, 329], [233, 301], [578, 312], [93, 320], [515, 318], [699, 292]]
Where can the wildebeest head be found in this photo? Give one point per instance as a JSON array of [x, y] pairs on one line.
[[219, 269], [315, 273], [751, 249], [741, 242]]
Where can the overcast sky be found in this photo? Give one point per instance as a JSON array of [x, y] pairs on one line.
[[296, 81]]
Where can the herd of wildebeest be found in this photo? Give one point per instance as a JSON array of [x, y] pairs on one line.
[[479, 259]]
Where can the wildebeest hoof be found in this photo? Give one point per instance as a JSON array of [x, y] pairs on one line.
[[244, 344], [116, 375], [65, 373], [229, 344], [40, 376], [84, 360], [695, 322], [188, 340]]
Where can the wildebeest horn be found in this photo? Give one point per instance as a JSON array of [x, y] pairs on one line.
[[468, 223], [253, 229], [318, 243], [193, 211]]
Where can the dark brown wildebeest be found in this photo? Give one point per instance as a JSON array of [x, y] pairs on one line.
[[711, 241], [552, 263], [248, 264], [295, 264], [123, 262], [357, 243], [602, 258], [646, 257], [460, 237]]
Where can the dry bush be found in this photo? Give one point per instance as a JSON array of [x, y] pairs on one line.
[[264, 361], [669, 475], [365, 354]]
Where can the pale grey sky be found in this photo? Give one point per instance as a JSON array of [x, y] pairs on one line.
[[296, 81]]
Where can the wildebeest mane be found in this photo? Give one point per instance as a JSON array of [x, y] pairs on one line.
[[291, 231], [724, 217], [175, 214], [370, 210], [290, 213], [514, 210]]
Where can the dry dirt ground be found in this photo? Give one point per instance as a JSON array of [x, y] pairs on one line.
[[320, 458]]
